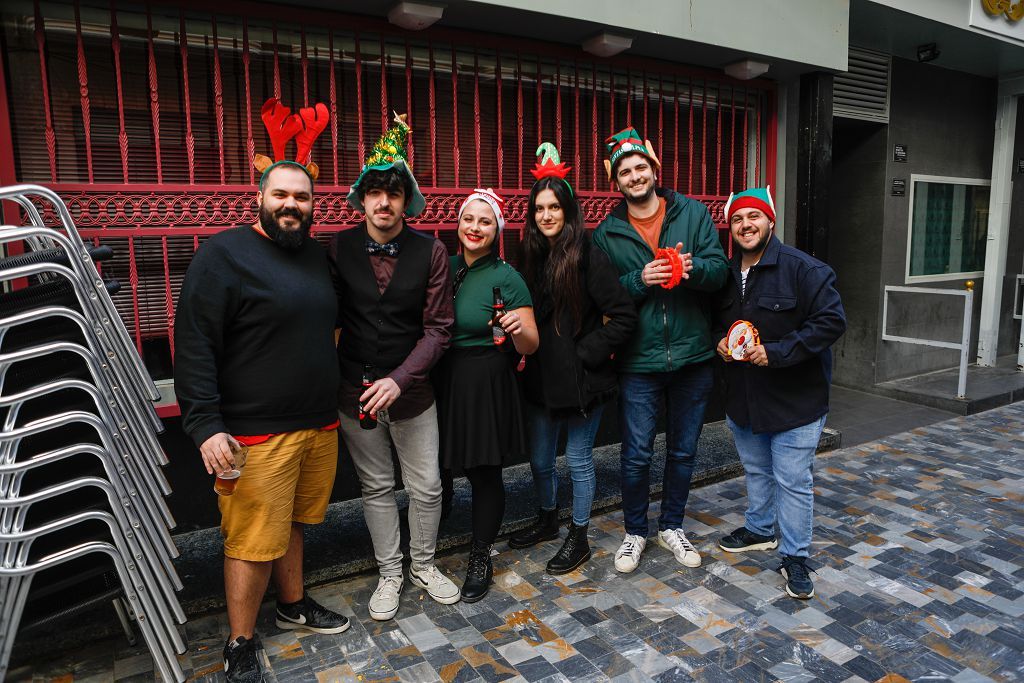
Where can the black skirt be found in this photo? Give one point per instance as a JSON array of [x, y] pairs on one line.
[[479, 409]]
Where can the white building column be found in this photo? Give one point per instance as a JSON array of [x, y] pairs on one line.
[[1010, 89]]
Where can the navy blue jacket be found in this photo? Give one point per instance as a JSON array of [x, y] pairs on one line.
[[792, 300]]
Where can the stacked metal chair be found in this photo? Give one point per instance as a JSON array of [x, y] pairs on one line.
[[81, 486]]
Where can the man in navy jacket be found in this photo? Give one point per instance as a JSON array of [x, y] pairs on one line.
[[778, 385]]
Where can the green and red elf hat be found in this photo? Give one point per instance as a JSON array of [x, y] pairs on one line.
[[759, 198], [550, 165], [389, 152], [627, 141], [282, 125]]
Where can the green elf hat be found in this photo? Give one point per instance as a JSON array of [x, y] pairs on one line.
[[759, 198], [389, 152], [627, 141]]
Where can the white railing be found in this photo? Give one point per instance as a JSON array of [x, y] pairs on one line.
[[965, 339]]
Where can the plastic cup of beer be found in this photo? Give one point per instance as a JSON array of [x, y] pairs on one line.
[[224, 484]]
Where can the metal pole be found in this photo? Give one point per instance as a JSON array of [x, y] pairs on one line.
[[965, 341]]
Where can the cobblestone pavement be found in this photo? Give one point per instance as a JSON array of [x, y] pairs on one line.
[[919, 544]]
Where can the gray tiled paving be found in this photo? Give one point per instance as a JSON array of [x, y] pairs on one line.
[[919, 541]]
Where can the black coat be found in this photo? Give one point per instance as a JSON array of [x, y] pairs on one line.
[[792, 300], [571, 374]]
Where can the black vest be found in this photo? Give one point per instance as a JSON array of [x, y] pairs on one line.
[[378, 329]]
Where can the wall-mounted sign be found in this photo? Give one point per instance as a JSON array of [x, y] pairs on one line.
[[1003, 17], [899, 187], [1012, 9], [1020, 165], [899, 153]]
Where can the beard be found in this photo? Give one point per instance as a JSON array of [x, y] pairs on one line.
[[642, 199], [757, 248], [287, 239]]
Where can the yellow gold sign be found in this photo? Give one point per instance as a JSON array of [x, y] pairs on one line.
[[1014, 11]]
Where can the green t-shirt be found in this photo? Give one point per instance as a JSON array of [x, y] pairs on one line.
[[474, 301]]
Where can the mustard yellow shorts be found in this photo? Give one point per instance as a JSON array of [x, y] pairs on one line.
[[285, 479]]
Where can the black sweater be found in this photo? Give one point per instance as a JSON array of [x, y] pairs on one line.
[[254, 338], [570, 374]]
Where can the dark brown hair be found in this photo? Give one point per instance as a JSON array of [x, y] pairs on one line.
[[552, 268]]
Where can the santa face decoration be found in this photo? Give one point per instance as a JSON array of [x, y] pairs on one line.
[[742, 339]]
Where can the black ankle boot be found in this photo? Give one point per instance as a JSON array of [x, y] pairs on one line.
[[575, 551], [544, 528], [479, 572]]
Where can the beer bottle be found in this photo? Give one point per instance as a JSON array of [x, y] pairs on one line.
[[498, 332], [366, 420]]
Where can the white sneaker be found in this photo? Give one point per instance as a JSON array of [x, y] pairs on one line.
[[627, 557], [437, 585], [675, 541], [384, 601]]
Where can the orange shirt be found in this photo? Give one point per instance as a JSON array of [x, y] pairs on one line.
[[650, 228]]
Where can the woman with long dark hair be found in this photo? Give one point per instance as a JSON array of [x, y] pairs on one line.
[[583, 315], [480, 412]]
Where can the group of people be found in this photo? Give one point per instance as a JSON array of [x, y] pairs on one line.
[[463, 365]]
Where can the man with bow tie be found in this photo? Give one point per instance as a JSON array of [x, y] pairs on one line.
[[395, 312]]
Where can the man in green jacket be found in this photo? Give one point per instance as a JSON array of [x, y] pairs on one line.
[[668, 358]]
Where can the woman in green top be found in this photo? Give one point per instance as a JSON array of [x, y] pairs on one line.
[[480, 413]]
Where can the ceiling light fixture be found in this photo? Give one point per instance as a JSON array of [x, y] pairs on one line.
[[607, 44], [415, 16], [746, 69]]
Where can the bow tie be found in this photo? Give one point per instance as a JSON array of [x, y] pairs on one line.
[[389, 249]]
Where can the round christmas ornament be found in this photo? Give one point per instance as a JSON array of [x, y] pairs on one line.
[[742, 337], [674, 260]]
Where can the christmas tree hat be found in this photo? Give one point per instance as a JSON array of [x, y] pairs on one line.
[[627, 141], [389, 152], [759, 198]]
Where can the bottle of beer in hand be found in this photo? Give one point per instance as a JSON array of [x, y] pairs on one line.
[[366, 420], [497, 330]]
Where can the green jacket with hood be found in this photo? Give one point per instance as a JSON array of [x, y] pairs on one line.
[[674, 328]]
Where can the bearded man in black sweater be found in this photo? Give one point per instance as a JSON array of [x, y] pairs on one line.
[[255, 365]]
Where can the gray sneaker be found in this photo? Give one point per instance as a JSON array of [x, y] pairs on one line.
[[437, 585], [384, 601]]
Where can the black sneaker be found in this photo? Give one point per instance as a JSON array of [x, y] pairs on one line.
[[744, 539], [242, 660], [798, 578], [310, 615]]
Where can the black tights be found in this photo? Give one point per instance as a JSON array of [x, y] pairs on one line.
[[488, 501]]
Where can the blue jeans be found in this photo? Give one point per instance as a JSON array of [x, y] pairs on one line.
[[579, 454], [780, 476], [685, 394]]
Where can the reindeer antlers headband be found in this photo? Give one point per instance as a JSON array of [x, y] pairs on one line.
[[282, 125]]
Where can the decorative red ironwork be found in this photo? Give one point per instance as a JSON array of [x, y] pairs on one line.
[[519, 115], [250, 144], [455, 115], [476, 117], [384, 118], [304, 61], [277, 64], [122, 136], [156, 227], [498, 79], [410, 146], [360, 141], [51, 138], [154, 95], [333, 89], [190, 141], [433, 119], [218, 100], [83, 89]]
